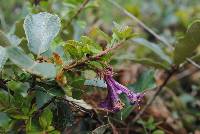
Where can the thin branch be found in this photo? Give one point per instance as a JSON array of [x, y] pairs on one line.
[[141, 23], [92, 58], [82, 6], [193, 63], [185, 73], [114, 129], [159, 89]]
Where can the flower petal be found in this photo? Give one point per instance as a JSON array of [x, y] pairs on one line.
[[112, 101], [133, 97]]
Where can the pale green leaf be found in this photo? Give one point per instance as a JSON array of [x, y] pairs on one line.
[[97, 82], [14, 40], [46, 70], [122, 31], [40, 30], [16, 55], [3, 57]]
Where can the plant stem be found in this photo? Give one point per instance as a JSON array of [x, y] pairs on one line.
[[82, 6], [159, 89], [92, 58]]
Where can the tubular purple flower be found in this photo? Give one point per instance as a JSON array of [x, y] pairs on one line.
[[112, 101], [133, 97]]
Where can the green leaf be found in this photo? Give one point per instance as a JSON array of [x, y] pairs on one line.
[[20, 117], [158, 132], [101, 129], [4, 99], [46, 70], [56, 91], [93, 46], [126, 111], [42, 96], [122, 31], [9, 40], [78, 82], [155, 48], [3, 57], [150, 62], [40, 30], [16, 55], [19, 87], [46, 118], [187, 45], [14, 40], [4, 120], [145, 81], [96, 32], [19, 31], [74, 48], [95, 64]]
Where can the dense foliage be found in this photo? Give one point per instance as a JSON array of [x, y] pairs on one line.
[[94, 66]]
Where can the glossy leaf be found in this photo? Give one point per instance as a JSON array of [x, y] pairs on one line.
[[40, 30]]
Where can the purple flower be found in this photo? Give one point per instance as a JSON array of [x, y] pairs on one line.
[[112, 101]]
